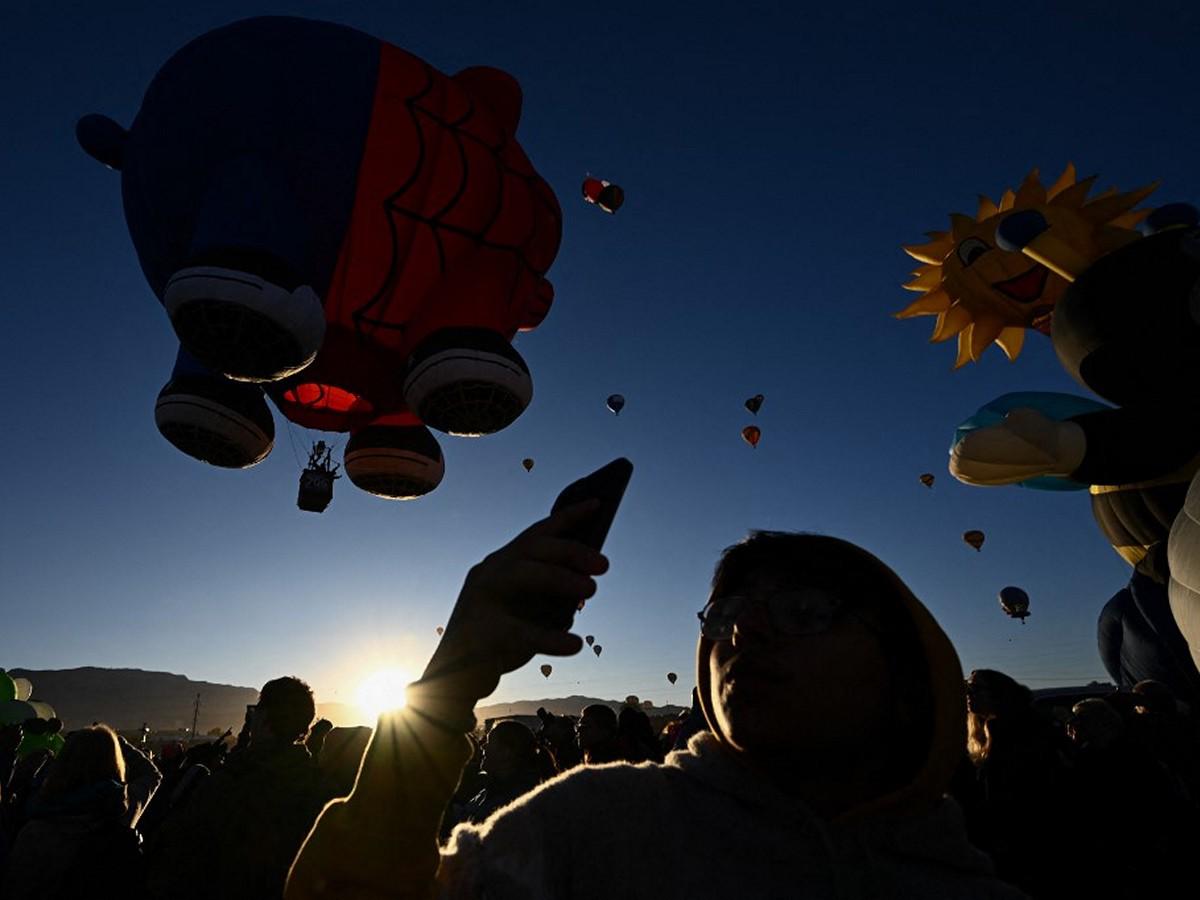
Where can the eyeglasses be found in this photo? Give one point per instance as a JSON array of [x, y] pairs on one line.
[[793, 612]]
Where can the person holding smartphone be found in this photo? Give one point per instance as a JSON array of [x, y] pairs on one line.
[[836, 715]]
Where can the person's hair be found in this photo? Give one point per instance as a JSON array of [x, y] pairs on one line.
[[88, 756], [602, 715], [517, 737], [287, 706], [993, 694]]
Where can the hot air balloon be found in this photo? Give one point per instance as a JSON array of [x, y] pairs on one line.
[[1015, 603], [672, 677], [547, 669], [528, 464], [24, 688], [754, 404], [975, 538], [440, 630], [751, 434], [603, 194], [632, 700], [616, 403], [590, 640], [297, 235], [596, 648], [8, 687], [927, 479]]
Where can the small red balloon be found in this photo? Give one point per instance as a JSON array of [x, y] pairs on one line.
[[752, 434]]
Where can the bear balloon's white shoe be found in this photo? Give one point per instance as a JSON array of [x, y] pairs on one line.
[[244, 326]]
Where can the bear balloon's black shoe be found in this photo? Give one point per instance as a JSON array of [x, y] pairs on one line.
[[215, 420]]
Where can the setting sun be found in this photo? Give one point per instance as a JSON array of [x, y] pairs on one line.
[[382, 691]]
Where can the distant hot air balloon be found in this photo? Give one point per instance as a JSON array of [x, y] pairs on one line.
[[547, 669], [616, 403], [752, 434], [24, 688], [590, 640], [596, 648], [603, 194], [440, 630], [927, 479], [754, 404], [975, 538], [672, 677], [528, 464], [1015, 603]]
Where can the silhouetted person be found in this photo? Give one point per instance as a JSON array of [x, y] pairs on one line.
[[1018, 800], [636, 737], [558, 734], [693, 723], [244, 823], [1164, 732], [316, 737], [836, 710], [510, 767], [1122, 785], [78, 841], [596, 735]]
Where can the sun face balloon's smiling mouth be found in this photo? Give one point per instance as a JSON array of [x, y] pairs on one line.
[[1026, 287]]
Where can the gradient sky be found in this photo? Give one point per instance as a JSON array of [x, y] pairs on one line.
[[774, 160]]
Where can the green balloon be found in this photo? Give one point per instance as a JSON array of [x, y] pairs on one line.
[[8, 687]]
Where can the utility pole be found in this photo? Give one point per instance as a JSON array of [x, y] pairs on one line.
[[195, 715]]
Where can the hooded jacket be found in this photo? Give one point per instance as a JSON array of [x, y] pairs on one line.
[[705, 824], [79, 845]]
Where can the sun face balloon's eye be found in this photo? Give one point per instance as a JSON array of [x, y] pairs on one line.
[[971, 249]]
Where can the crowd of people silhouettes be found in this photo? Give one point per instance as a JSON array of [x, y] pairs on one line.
[[833, 749]]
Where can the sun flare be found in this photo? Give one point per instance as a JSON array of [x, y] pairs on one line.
[[383, 691]]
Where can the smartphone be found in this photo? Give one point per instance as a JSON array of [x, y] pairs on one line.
[[607, 484]]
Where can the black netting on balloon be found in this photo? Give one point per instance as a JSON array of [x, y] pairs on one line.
[[409, 201], [206, 445], [394, 487], [471, 408], [238, 341]]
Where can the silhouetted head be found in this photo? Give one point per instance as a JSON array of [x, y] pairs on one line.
[[813, 652], [1155, 698], [89, 768], [510, 749], [597, 725], [1094, 724], [995, 695], [284, 710]]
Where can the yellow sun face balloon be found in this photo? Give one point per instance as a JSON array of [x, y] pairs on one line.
[[983, 294]]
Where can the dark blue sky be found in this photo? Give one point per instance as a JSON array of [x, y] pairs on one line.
[[774, 160]]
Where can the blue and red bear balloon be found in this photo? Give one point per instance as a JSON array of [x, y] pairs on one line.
[[334, 224]]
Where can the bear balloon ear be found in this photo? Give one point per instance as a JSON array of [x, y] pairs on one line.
[[497, 89], [102, 139]]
